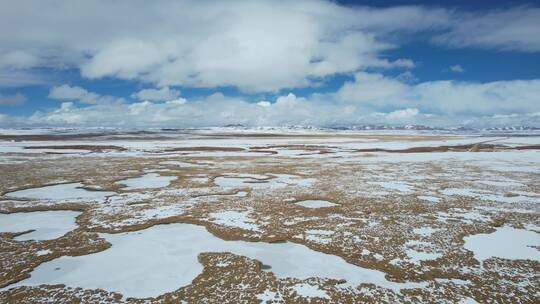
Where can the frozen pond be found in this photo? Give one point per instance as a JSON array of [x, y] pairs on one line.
[[147, 181], [71, 191], [47, 225], [163, 258], [315, 204], [506, 243], [242, 180], [184, 164], [257, 181]]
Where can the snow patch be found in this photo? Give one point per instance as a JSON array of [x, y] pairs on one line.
[[309, 291], [235, 219]]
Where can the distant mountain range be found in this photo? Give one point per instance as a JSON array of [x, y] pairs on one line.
[[381, 127]]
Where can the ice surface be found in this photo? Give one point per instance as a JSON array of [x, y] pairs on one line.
[[505, 242], [147, 181], [315, 204], [71, 191], [255, 181], [47, 225]]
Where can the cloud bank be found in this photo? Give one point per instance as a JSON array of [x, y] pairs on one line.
[[370, 98], [259, 47]]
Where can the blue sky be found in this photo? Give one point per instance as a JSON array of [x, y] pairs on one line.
[[187, 63]]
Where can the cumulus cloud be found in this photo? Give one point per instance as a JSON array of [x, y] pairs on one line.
[[443, 97], [515, 96], [264, 103], [75, 93], [162, 94], [402, 114], [10, 100], [67, 92], [370, 98], [178, 101], [372, 88]]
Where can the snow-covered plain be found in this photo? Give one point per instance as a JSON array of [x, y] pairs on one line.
[[411, 219]]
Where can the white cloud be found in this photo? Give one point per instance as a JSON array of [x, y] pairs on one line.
[[162, 94], [371, 98], [457, 68], [178, 101], [371, 88], [262, 45], [264, 103], [515, 96], [402, 114], [254, 45], [75, 93], [443, 97], [67, 92], [11, 100], [18, 59]]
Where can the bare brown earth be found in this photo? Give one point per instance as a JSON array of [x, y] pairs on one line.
[[367, 217]]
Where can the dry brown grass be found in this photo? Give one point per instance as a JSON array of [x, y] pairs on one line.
[[380, 224]]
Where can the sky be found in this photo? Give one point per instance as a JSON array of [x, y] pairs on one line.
[[135, 63]]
